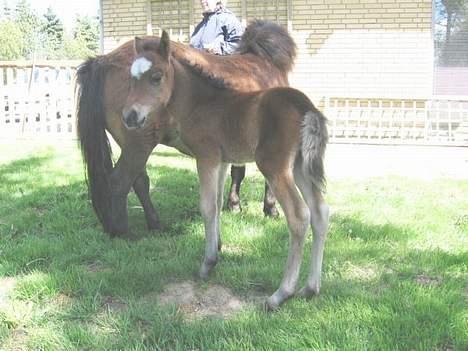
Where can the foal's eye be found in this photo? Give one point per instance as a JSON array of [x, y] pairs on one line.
[[156, 77]]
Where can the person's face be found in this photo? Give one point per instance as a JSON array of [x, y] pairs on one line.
[[208, 5]]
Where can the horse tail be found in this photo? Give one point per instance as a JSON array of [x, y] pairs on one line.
[[271, 42], [94, 143], [314, 138]]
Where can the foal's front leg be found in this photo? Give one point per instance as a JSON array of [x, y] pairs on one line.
[[210, 172]]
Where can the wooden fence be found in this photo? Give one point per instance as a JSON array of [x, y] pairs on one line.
[[38, 100], [436, 120]]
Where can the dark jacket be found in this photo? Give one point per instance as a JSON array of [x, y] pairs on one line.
[[219, 31]]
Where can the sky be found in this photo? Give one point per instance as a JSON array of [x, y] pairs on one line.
[[65, 9]]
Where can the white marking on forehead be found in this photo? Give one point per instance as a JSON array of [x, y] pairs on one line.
[[140, 66]]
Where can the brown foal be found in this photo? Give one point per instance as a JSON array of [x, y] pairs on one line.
[[278, 128]]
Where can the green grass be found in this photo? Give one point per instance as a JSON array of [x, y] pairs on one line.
[[395, 268]]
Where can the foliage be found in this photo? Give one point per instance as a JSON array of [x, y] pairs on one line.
[[86, 30], [11, 41], [53, 31], [85, 40], [26, 34], [29, 23], [394, 278], [451, 34]]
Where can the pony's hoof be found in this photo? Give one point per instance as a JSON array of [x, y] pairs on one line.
[[307, 292], [234, 207], [154, 226], [269, 306], [271, 212]]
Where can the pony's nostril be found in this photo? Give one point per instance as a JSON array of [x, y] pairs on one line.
[[131, 118]]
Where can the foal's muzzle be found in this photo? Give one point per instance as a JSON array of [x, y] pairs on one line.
[[133, 120]]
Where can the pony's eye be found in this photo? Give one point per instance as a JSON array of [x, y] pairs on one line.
[[156, 77]]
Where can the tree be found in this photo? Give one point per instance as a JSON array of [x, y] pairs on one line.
[[455, 14], [84, 41], [451, 32], [11, 39], [53, 32], [87, 30], [29, 23]]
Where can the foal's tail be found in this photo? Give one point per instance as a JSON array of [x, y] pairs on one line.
[[314, 138], [94, 143]]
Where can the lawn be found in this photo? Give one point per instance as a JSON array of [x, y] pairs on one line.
[[395, 266]]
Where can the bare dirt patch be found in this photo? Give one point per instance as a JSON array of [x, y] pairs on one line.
[[112, 304], [196, 302], [97, 267], [17, 340], [7, 285], [427, 281]]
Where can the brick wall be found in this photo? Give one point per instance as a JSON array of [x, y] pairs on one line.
[[368, 48], [122, 20]]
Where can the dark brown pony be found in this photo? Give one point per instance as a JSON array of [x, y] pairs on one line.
[[278, 128], [265, 56]]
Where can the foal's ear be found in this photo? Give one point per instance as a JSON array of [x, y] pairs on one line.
[[138, 45], [164, 45]]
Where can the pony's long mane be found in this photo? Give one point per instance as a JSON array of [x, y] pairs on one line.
[[266, 50], [263, 44]]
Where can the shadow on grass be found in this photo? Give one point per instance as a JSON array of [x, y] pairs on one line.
[[51, 241]]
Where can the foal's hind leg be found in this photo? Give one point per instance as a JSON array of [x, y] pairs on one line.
[[237, 175], [319, 212], [221, 181], [297, 216], [209, 173], [141, 187]]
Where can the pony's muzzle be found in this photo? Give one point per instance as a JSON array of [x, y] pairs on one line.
[[133, 120]]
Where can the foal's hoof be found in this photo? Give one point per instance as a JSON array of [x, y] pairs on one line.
[[275, 300], [270, 306], [308, 292], [271, 212], [206, 269]]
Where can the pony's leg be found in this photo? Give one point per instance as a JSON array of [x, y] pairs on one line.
[[221, 182], [319, 212], [209, 172], [297, 216], [237, 175], [130, 164], [269, 202], [141, 187]]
